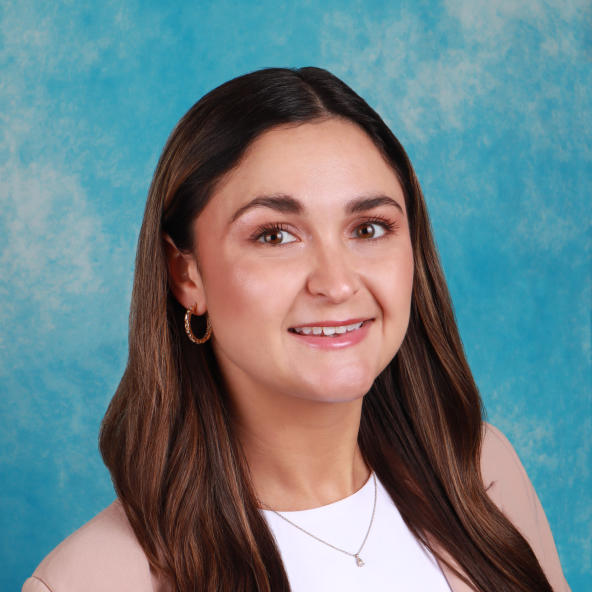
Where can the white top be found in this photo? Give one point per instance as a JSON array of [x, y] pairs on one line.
[[393, 558]]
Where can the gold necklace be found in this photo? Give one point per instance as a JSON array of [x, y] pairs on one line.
[[356, 556]]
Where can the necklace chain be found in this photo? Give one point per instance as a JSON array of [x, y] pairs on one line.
[[356, 556]]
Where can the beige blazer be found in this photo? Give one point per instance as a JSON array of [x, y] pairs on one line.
[[104, 555]]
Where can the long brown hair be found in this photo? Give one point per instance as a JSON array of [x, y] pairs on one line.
[[168, 438]]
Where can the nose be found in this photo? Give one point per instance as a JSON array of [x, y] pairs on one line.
[[333, 275]]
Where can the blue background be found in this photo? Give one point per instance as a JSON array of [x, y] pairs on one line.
[[491, 99]]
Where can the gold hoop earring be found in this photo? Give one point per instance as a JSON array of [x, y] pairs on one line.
[[189, 332]]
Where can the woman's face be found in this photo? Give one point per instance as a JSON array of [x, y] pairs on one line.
[[306, 264]]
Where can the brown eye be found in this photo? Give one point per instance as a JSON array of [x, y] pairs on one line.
[[274, 235], [365, 231], [273, 238], [373, 229]]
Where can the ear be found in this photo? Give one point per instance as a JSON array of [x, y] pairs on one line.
[[185, 279]]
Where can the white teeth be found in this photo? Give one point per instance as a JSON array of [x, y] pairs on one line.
[[328, 331]]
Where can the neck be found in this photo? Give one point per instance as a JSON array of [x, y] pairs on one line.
[[301, 454]]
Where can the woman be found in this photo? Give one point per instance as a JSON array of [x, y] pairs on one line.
[[297, 411]]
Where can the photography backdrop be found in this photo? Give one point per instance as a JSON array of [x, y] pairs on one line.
[[491, 100]]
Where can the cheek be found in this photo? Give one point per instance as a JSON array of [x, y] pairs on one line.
[[393, 292], [394, 279], [229, 288], [244, 291]]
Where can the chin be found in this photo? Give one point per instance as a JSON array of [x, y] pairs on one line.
[[339, 392]]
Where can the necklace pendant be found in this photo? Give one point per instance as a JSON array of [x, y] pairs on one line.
[[359, 561]]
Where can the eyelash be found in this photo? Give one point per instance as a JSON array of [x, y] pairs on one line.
[[388, 225], [264, 229]]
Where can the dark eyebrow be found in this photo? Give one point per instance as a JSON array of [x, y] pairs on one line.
[[279, 203], [288, 205], [361, 204]]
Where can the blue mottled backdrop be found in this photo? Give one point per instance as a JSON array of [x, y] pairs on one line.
[[492, 99]]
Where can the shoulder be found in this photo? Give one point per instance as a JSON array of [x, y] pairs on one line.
[[502, 472], [509, 487], [103, 555], [507, 483]]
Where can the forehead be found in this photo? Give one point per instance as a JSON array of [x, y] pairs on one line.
[[325, 162]]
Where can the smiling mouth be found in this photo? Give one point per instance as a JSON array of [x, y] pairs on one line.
[[328, 331]]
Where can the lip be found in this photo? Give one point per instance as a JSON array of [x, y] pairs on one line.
[[335, 341], [331, 323]]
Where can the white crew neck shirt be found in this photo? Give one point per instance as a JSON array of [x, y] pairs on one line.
[[393, 558]]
